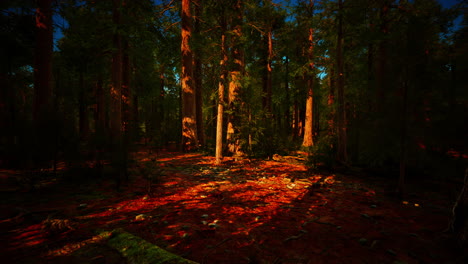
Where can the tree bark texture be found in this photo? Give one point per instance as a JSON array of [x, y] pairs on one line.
[[198, 74], [267, 89], [189, 124], [236, 72], [221, 88], [341, 115], [309, 117]]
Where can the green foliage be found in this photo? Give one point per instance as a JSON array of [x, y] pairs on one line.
[[137, 250], [322, 154], [151, 171]]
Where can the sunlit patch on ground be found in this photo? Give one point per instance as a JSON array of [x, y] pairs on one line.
[[247, 210]]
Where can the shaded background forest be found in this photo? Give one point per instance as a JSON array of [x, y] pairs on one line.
[[380, 84]]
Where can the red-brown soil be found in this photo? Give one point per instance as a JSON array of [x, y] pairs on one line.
[[245, 211]]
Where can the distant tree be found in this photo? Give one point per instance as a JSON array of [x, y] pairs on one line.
[[341, 113]]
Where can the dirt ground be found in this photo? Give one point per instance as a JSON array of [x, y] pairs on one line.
[[245, 211]]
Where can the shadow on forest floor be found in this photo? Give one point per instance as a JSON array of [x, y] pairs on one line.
[[245, 211]]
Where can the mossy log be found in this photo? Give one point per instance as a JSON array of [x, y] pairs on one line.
[[138, 250]]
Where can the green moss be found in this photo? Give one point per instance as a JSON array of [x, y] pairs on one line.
[[138, 250]]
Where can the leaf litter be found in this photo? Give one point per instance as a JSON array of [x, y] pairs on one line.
[[271, 211]]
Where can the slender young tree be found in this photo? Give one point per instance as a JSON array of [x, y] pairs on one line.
[[189, 125], [221, 87]]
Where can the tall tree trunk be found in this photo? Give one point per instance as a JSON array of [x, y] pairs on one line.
[[43, 61], [296, 119], [160, 111], [116, 97], [287, 114], [197, 72], [116, 80], [100, 106], [236, 72], [221, 88], [267, 89], [126, 106], [341, 116], [382, 55], [331, 101], [83, 113], [189, 124], [42, 83], [309, 118], [99, 125]]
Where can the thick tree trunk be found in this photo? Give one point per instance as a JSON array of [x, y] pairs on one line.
[[189, 124], [331, 101], [83, 113], [43, 61], [221, 88], [309, 116], [198, 75], [267, 89], [116, 81], [42, 84], [341, 116], [99, 125], [236, 72], [296, 120], [116, 98], [403, 136], [126, 107], [382, 56], [100, 106]]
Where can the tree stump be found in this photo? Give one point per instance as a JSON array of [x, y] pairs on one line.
[[459, 221]]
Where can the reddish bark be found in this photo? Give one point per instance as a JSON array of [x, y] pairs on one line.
[[267, 89], [309, 116], [235, 73], [189, 125], [198, 74]]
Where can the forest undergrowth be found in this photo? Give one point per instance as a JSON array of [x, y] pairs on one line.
[[244, 211]]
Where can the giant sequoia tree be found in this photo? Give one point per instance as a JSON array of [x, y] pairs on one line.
[[189, 125]]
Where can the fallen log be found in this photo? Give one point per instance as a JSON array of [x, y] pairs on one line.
[[138, 250]]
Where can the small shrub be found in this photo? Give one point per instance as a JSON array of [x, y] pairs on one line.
[[322, 154]]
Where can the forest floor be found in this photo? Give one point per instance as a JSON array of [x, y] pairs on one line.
[[244, 211]]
